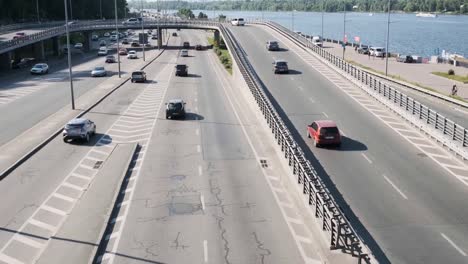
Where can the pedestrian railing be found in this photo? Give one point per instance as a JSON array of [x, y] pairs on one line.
[[333, 221], [436, 125]]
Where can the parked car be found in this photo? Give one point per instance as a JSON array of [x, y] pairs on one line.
[[184, 53], [23, 63], [94, 37], [98, 72], [110, 59], [138, 76], [132, 55], [238, 22], [113, 38], [181, 70], [405, 59], [186, 45], [280, 66], [102, 43], [79, 128], [174, 34], [175, 108], [123, 51], [107, 34], [272, 45], [324, 132], [40, 68], [78, 45], [135, 44], [377, 51], [363, 50], [102, 51], [198, 47]]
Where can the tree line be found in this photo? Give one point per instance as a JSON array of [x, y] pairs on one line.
[[14, 11], [441, 6]]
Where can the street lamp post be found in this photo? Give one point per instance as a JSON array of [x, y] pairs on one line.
[[323, 6], [387, 40], [37, 11], [118, 37], [142, 30], [292, 20], [344, 29], [100, 8], [71, 10], [70, 73]]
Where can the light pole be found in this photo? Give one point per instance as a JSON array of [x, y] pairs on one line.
[[70, 73], [142, 30], [118, 37], [71, 10], [37, 10], [344, 29], [323, 7], [292, 20], [100, 8], [387, 40]]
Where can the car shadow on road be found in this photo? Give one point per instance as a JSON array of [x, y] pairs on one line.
[[335, 192], [294, 72], [102, 139], [193, 116], [348, 144], [193, 75]]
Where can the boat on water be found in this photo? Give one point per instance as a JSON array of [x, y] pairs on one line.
[[421, 14]]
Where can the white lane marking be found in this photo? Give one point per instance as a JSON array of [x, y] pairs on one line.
[[72, 186], [196, 109], [198, 148], [311, 100], [325, 114], [197, 132], [300, 88], [453, 244], [200, 170], [205, 250], [196, 100], [10, 260], [53, 210], [42, 225], [202, 201], [26, 240], [367, 158], [63, 197], [395, 187]]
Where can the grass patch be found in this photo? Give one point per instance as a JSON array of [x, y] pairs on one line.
[[463, 79], [398, 77], [223, 54]]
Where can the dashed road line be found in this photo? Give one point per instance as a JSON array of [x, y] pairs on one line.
[[367, 158], [453, 244], [395, 187]]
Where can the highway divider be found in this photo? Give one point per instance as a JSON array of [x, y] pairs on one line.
[[447, 132], [333, 220]]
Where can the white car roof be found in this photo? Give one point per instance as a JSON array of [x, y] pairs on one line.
[[175, 101]]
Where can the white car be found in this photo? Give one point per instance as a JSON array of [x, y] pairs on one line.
[[98, 72], [102, 51], [184, 53], [131, 21], [238, 22], [132, 55], [113, 38], [377, 51], [107, 34], [40, 68], [78, 45]]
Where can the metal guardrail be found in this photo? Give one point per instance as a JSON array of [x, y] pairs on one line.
[[451, 134], [98, 25], [22, 26], [342, 235]]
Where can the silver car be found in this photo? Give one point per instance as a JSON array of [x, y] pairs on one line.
[[99, 72], [40, 68], [79, 128]]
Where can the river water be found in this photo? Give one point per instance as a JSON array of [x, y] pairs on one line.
[[408, 34]]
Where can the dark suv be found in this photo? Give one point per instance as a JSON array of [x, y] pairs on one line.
[[181, 70], [186, 45], [272, 45], [138, 76], [175, 108], [280, 66]]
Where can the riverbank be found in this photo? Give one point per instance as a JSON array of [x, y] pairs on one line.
[[418, 74]]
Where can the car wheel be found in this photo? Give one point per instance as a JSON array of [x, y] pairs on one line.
[[338, 145], [87, 137], [132, 80], [316, 144], [167, 117], [308, 134], [94, 131], [65, 140]]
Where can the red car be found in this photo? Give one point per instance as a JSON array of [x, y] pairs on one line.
[[324, 132], [19, 35], [123, 51]]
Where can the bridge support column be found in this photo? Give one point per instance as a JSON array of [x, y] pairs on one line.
[[216, 37], [87, 41], [160, 37], [5, 60], [38, 50], [56, 46]]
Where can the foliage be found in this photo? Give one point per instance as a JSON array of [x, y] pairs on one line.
[[451, 72], [454, 6], [186, 13], [202, 15], [13, 11], [223, 54], [452, 76]]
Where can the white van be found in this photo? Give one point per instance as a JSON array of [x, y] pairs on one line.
[[238, 22], [317, 40], [377, 51]]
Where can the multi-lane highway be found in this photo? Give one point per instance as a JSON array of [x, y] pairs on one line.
[[403, 189], [197, 191]]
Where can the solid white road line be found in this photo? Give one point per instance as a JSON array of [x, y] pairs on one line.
[[325, 114], [205, 250], [199, 170], [198, 148], [367, 158], [311, 100], [395, 187], [28, 241], [202, 201], [453, 244], [8, 259], [197, 132]]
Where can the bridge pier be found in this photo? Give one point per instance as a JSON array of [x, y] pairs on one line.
[[216, 37], [5, 60], [56, 46], [38, 50], [87, 40], [160, 37]]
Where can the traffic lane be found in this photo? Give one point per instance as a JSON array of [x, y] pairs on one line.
[[294, 101], [168, 214], [55, 94]]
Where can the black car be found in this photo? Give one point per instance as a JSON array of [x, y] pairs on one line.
[[198, 47], [405, 59], [280, 66], [175, 108], [174, 34], [363, 50], [125, 41], [181, 70], [23, 63], [138, 76], [272, 45], [186, 45]]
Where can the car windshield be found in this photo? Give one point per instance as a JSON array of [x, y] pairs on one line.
[[99, 68], [137, 74], [39, 66], [328, 131], [74, 126], [181, 67], [281, 63], [175, 106]]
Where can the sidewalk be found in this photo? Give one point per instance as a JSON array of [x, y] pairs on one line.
[[415, 73]]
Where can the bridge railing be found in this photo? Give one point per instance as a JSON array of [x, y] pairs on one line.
[[341, 234], [443, 129]]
